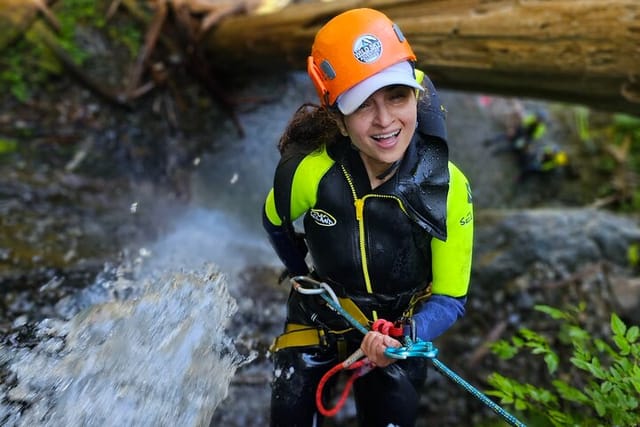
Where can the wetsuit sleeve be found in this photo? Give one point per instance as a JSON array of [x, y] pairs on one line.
[[294, 192], [451, 262], [288, 245]]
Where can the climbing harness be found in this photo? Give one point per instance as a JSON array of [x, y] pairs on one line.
[[327, 294], [413, 347], [354, 362]]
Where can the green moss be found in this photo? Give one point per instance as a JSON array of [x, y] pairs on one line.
[[129, 35], [28, 64]]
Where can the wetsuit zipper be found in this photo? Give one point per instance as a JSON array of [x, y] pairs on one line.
[[359, 208]]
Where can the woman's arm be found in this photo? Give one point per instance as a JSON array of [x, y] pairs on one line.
[[451, 263], [288, 245], [294, 193]]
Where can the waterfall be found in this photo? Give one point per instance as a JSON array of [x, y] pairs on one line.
[[146, 345], [154, 351]]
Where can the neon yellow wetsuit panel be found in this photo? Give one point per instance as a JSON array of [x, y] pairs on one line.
[[304, 186], [451, 260]]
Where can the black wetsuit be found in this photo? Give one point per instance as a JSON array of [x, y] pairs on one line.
[[377, 247]]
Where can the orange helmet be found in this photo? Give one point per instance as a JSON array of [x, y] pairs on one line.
[[352, 47]]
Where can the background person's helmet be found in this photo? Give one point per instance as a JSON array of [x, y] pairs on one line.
[[352, 47], [560, 158]]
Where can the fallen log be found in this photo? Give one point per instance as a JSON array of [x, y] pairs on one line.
[[575, 51]]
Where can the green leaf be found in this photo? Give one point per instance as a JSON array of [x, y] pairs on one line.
[[503, 349], [560, 418], [581, 364], [551, 360], [554, 313], [599, 407], [569, 393], [578, 334], [8, 145], [622, 344], [521, 405], [597, 371], [633, 254], [617, 325]]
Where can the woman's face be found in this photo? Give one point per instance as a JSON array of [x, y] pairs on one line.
[[382, 127]]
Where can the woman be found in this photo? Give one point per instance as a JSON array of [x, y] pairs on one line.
[[388, 221]]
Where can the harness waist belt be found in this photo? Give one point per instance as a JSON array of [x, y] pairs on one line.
[[299, 335]]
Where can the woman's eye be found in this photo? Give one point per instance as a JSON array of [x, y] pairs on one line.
[[399, 94], [364, 105]]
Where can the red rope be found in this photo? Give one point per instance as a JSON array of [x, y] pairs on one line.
[[361, 367]]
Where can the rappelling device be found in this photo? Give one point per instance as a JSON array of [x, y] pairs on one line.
[[413, 347]]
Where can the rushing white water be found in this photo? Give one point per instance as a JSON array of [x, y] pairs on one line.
[[146, 345], [160, 356]]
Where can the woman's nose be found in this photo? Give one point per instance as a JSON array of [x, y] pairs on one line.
[[383, 116]]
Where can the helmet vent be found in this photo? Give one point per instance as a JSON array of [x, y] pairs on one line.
[[398, 32], [328, 70]]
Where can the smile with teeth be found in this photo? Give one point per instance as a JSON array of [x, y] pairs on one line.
[[384, 136]]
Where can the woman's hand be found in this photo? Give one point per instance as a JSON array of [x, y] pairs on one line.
[[374, 344]]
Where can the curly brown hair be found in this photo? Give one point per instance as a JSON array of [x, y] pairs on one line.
[[310, 127]]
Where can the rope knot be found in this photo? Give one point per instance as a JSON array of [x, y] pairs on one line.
[[388, 328]]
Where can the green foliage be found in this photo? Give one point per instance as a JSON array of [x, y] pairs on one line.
[[619, 133], [12, 76], [28, 63], [600, 386], [7, 145], [633, 255]]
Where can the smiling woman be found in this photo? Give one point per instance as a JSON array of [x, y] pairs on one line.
[[381, 129], [381, 207]]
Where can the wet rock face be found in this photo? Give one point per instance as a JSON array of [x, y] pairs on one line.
[[58, 231], [508, 243]]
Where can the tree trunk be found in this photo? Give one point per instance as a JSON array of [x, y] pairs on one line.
[[577, 51]]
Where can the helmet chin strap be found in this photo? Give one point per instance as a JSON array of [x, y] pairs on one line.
[[389, 170]]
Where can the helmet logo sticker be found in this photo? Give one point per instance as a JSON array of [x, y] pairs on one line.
[[367, 48], [322, 218]]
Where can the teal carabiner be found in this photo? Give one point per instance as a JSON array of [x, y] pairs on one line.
[[411, 348]]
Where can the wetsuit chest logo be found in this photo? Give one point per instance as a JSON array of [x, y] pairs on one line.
[[322, 218]]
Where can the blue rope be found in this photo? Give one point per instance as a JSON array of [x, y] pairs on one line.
[[416, 348], [477, 393], [426, 349]]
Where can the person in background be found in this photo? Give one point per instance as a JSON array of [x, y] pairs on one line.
[[530, 128], [534, 153], [545, 158], [387, 222]]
